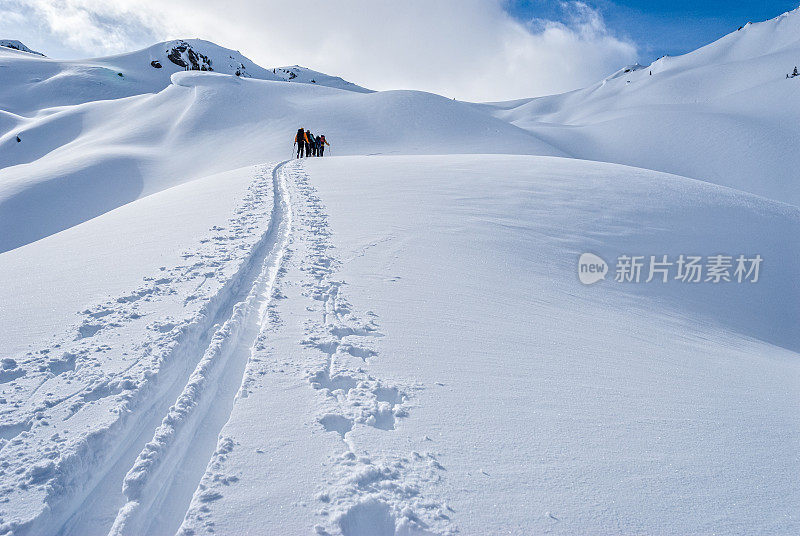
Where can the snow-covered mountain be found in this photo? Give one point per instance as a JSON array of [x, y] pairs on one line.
[[727, 109], [295, 73], [34, 82], [17, 45], [204, 335]]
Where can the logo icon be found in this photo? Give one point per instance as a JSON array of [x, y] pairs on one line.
[[591, 268]]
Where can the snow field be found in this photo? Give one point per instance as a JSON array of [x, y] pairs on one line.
[[111, 384], [448, 402], [197, 339], [50, 182]]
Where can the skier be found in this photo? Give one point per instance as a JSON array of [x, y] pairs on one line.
[[301, 140], [322, 143]]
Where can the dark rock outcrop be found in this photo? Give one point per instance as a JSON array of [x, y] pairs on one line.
[[183, 55]]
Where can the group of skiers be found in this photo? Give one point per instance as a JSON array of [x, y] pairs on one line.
[[308, 144]]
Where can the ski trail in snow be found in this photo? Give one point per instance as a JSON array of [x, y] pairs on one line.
[[92, 506], [361, 490], [83, 482], [162, 481]]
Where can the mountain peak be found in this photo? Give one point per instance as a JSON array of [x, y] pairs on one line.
[[199, 55], [18, 45]]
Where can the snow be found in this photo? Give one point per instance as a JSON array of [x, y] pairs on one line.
[[201, 335], [196, 117], [727, 109], [491, 393], [304, 75], [39, 82], [110, 350], [17, 45]]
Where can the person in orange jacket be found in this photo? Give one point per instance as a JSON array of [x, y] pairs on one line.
[[322, 143], [301, 140]]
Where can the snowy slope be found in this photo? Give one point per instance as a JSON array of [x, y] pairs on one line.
[[303, 75], [727, 109], [204, 123], [346, 309], [446, 403], [122, 302], [202, 336], [17, 45]]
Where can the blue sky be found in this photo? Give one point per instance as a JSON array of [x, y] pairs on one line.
[[661, 27]]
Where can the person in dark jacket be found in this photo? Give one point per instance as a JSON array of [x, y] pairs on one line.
[[301, 140], [309, 143]]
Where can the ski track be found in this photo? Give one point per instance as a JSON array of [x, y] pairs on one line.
[[82, 477], [361, 495], [161, 483], [159, 463]]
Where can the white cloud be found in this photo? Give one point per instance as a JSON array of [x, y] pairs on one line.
[[83, 27], [469, 49]]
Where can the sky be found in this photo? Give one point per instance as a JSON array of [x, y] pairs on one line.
[[673, 27], [478, 50]]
